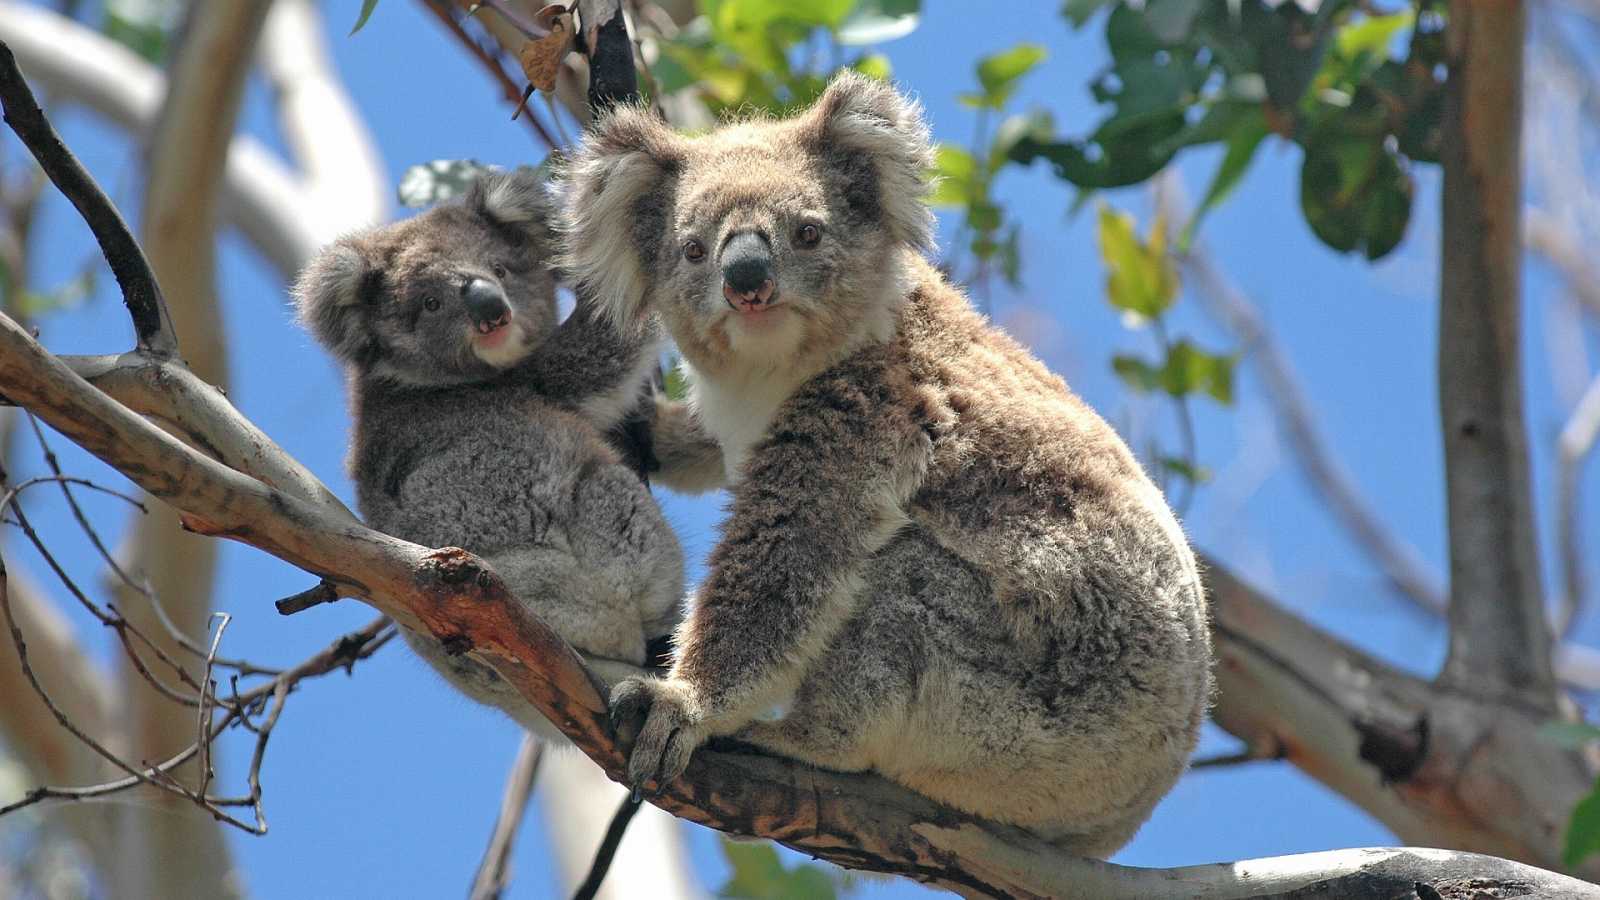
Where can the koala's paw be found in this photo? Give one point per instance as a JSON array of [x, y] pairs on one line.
[[659, 726]]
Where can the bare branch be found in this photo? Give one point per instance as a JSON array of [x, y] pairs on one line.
[[1565, 250], [1573, 447], [494, 872], [1499, 639], [261, 196], [608, 848], [340, 168], [492, 62], [134, 276]]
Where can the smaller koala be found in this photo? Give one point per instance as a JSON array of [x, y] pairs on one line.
[[478, 422]]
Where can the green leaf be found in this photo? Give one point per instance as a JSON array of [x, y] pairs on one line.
[[874, 65], [1574, 735], [1136, 373], [1127, 154], [999, 73], [1194, 474], [956, 173], [143, 26], [1190, 370], [758, 874], [1077, 12], [442, 179], [367, 6], [1139, 277], [1009, 255], [1037, 125], [1354, 193], [880, 21], [1583, 829], [1242, 146], [1171, 20], [69, 295], [1372, 35]]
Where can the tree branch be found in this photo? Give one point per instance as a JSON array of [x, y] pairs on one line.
[[1573, 447], [494, 872], [340, 168], [287, 222], [860, 821], [1499, 640], [134, 276]]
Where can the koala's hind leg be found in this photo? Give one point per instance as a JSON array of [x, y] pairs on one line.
[[627, 548]]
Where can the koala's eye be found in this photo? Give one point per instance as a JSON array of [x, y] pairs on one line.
[[498, 270], [430, 303], [693, 250], [808, 235]]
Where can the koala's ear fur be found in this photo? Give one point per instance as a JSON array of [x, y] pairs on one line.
[[866, 115], [331, 299], [614, 206], [518, 199]]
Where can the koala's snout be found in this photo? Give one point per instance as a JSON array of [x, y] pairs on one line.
[[486, 304], [747, 277]]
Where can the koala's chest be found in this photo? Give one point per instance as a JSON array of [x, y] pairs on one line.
[[737, 414]]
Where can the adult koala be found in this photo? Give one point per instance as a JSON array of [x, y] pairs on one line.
[[939, 563], [479, 423]]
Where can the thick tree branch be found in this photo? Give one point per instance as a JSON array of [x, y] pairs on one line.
[[1499, 640]]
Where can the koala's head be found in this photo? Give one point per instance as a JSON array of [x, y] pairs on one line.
[[764, 240], [452, 295]]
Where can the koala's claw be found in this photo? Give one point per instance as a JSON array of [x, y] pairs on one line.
[[661, 748]]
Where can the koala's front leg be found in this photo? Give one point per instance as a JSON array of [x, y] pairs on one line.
[[690, 460], [822, 493], [594, 366]]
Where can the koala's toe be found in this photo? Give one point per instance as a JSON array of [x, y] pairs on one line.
[[629, 705]]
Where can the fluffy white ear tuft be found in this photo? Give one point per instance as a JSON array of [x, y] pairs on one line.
[[615, 200], [332, 295], [864, 114]]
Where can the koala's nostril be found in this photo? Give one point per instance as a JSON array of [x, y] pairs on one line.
[[746, 263], [486, 303]]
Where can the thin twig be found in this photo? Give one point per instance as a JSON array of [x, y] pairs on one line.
[[494, 872], [208, 689], [325, 591], [134, 276], [608, 848], [141, 588], [491, 63]]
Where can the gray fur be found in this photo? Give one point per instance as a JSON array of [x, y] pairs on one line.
[[938, 563], [499, 452]]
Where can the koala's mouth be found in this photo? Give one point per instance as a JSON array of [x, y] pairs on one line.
[[760, 300], [500, 345]]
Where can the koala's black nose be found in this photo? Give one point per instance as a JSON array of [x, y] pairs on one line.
[[746, 263], [486, 304]]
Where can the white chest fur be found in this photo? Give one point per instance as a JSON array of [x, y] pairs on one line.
[[737, 410]]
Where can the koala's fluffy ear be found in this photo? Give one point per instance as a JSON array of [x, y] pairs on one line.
[[870, 117], [616, 201], [519, 199], [332, 297]]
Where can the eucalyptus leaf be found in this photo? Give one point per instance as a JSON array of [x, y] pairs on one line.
[[1583, 829], [1139, 277], [442, 179], [999, 73], [1574, 735], [880, 21], [367, 6]]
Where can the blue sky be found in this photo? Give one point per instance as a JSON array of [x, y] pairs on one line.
[[385, 784]]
